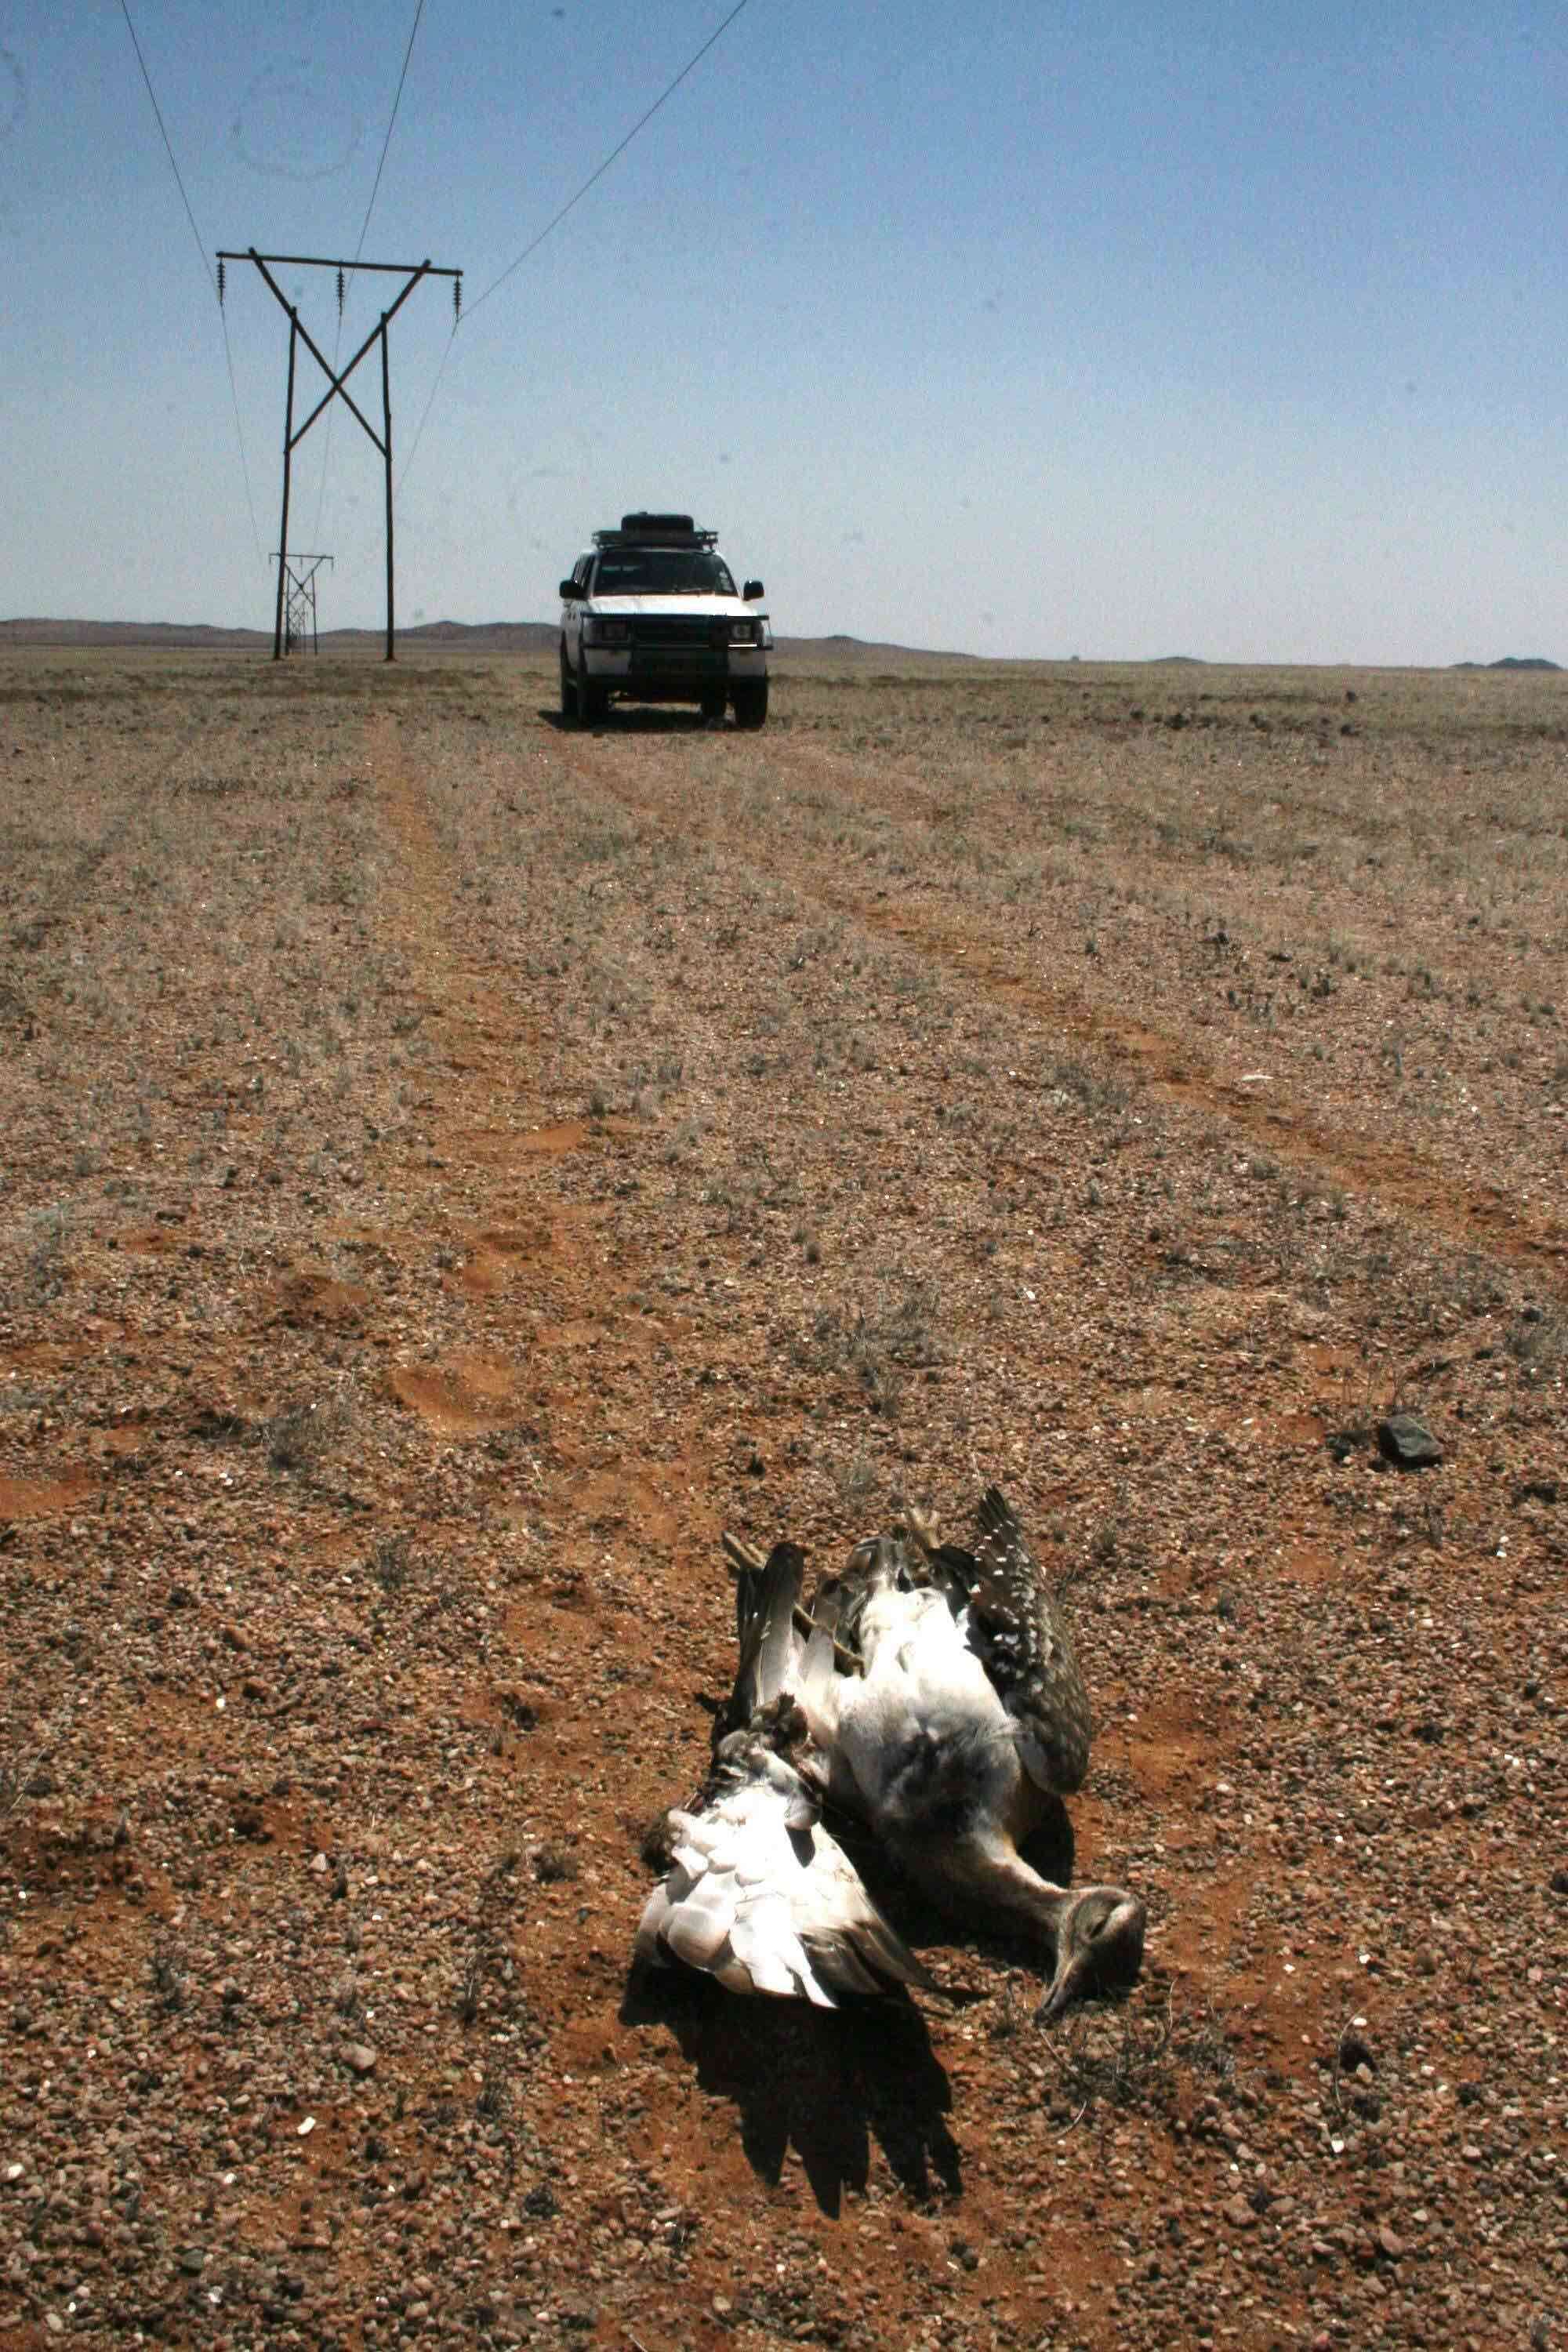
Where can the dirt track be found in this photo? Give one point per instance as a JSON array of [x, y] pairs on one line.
[[457, 1166]]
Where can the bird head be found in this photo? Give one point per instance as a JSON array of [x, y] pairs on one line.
[[1099, 1941]]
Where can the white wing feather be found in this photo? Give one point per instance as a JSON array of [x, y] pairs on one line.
[[767, 1910]]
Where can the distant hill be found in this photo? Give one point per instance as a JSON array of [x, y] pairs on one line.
[[469, 636], [535, 637], [1513, 661], [126, 633], [495, 636]]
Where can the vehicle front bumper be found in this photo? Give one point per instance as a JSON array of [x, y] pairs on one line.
[[674, 672]]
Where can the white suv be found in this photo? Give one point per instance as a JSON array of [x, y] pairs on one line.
[[651, 613]]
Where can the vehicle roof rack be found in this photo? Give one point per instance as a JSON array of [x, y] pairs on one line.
[[656, 530]]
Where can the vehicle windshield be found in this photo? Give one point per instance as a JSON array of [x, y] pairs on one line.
[[662, 571]]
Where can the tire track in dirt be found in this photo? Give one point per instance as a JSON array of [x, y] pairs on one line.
[[545, 1262], [1478, 1217], [479, 1148]]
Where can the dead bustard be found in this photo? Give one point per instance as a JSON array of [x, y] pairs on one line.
[[945, 1707]]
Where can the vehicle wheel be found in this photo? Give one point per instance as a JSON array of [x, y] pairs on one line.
[[713, 706], [592, 701], [568, 689], [752, 705]]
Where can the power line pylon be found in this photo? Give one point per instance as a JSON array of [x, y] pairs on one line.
[[300, 600], [336, 383]]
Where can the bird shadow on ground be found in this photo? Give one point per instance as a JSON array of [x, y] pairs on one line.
[[826, 2082]]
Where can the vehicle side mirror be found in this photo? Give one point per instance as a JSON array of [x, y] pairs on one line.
[[750, 592], [570, 592]]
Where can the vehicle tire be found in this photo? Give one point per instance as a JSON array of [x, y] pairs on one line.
[[593, 701], [752, 705], [713, 706], [568, 688]]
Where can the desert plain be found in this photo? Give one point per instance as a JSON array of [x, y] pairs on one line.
[[455, 1165]]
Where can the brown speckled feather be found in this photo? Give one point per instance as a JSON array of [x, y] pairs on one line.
[[1017, 1629]]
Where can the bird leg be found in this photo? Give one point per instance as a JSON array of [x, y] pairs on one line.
[[844, 1660]]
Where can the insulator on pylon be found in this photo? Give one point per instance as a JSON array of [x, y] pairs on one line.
[[456, 299], [340, 290], [220, 285]]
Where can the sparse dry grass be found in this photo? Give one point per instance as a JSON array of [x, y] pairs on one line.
[[455, 1166]]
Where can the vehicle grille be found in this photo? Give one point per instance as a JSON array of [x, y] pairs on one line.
[[680, 648], [679, 633]]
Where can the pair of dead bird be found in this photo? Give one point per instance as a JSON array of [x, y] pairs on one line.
[[932, 1692]]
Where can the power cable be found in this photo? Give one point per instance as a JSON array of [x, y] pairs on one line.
[[239, 436], [364, 230], [168, 150], [570, 206], [642, 121], [207, 271], [397, 100], [428, 405]]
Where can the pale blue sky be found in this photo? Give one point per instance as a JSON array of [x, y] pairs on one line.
[[1117, 330]]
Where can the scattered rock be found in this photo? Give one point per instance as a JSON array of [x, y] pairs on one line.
[[1407, 1443], [359, 2055]]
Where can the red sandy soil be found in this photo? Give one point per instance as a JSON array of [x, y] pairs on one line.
[[455, 1166]]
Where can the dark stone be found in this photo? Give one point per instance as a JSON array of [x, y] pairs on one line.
[[1407, 1443]]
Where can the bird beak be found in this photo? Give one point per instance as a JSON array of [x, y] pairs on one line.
[[1099, 1941]]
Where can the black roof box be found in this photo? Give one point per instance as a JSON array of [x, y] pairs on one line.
[[656, 530]]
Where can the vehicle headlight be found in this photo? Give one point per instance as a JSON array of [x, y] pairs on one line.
[[745, 633], [606, 633]]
